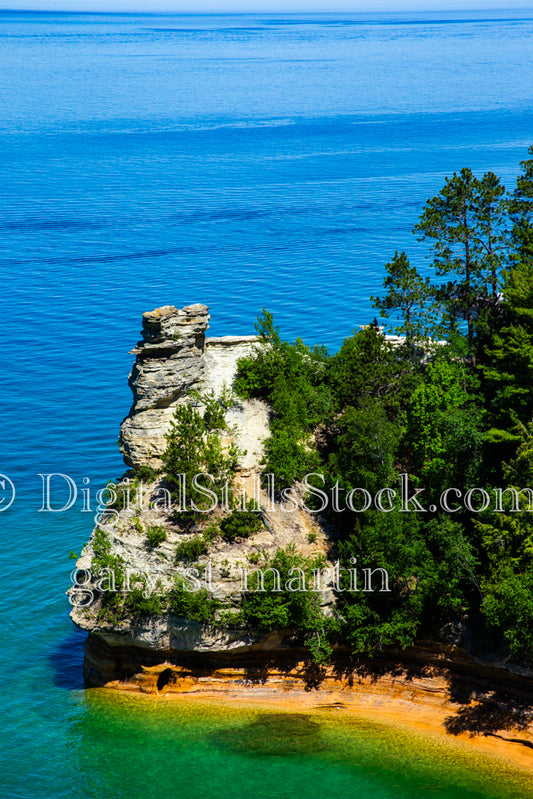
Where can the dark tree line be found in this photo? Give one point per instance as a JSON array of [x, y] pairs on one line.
[[454, 415]]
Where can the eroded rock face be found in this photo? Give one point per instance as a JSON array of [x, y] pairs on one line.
[[168, 366], [173, 359]]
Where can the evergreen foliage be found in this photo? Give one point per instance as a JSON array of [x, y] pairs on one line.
[[194, 448], [155, 534], [465, 225], [408, 295], [195, 605], [277, 608], [192, 548], [291, 378], [455, 416]]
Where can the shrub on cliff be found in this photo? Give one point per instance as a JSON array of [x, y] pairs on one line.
[[145, 473], [288, 457], [291, 378], [240, 524], [195, 605], [215, 407], [277, 607], [191, 549], [193, 450], [155, 534], [137, 605], [103, 559]]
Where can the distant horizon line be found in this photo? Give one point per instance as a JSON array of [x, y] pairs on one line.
[[240, 12]]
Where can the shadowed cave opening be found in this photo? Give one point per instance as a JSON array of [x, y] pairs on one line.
[[164, 679]]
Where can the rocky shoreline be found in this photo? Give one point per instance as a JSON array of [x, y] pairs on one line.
[[430, 691]]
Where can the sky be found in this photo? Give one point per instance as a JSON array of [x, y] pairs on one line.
[[262, 6]]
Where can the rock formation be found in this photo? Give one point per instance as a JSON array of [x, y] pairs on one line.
[[173, 359], [169, 364]]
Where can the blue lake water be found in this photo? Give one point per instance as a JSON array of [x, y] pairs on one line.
[[239, 161]]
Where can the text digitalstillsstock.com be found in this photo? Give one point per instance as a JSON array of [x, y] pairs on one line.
[[59, 492]]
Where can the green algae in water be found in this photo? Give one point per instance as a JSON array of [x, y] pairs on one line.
[[127, 746]]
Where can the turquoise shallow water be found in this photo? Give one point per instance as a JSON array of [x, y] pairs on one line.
[[239, 161], [178, 748]]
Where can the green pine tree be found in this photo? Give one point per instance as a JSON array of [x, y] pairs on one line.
[[408, 296]]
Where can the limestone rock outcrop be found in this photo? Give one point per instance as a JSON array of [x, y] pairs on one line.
[[169, 364], [173, 359]]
